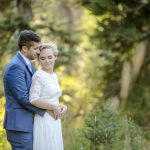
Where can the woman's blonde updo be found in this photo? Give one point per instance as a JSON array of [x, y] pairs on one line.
[[50, 46]]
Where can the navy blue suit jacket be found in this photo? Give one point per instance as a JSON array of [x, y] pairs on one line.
[[19, 114]]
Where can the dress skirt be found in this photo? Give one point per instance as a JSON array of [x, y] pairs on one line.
[[47, 133]]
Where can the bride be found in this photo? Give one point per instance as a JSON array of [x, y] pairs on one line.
[[44, 93]]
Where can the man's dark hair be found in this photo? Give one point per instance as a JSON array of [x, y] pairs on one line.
[[27, 38]]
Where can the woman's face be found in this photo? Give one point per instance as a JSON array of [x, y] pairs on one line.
[[47, 59]]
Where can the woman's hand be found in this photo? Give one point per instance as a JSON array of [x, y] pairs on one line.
[[60, 111], [63, 110], [57, 112]]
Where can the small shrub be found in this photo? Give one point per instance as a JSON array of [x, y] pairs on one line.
[[106, 130]]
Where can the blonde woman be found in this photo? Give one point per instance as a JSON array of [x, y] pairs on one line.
[[44, 93]]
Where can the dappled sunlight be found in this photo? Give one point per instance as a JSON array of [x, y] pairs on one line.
[[4, 145], [103, 67]]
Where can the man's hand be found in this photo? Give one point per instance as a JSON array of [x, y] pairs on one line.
[[54, 113], [51, 113]]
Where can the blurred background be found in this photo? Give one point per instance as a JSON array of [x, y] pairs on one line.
[[103, 67]]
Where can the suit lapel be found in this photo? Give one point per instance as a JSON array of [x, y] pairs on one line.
[[24, 63], [29, 69]]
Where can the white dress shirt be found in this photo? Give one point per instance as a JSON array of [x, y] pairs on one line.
[[27, 61]]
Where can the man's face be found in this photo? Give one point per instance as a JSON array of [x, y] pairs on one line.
[[33, 51]]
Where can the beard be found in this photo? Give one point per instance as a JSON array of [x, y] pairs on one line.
[[32, 57]]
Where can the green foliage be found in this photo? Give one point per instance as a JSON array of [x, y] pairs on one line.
[[4, 145], [119, 28], [100, 6], [118, 31], [138, 104], [80, 142], [93, 42], [107, 130]]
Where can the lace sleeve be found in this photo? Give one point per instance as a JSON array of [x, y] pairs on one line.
[[35, 89]]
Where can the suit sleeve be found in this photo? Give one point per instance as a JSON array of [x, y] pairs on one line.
[[17, 84]]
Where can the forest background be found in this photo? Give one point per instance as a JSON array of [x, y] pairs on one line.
[[103, 67]]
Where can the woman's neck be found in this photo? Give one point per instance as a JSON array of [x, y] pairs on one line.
[[48, 70]]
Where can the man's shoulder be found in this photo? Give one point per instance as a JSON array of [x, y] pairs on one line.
[[13, 65], [14, 62]]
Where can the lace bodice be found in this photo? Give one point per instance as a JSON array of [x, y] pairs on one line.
[[45, 86]]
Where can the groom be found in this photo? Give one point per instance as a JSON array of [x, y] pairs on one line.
[[19, 114]]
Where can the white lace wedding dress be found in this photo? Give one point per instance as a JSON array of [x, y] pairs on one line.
[[47, 132]]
